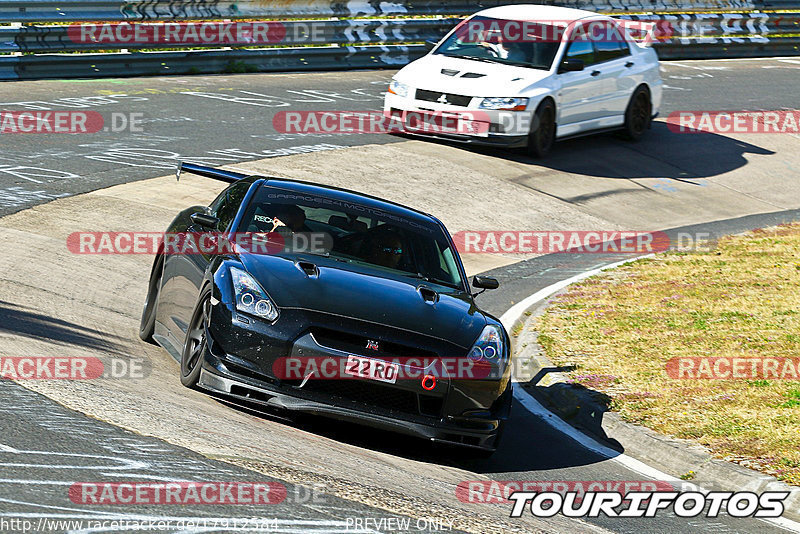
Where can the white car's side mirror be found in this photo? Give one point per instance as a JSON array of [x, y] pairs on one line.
[[571, 65]]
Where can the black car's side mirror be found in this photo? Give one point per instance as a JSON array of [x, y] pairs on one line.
[[571, 65], [206, 221], [430, 45], [483, 283]]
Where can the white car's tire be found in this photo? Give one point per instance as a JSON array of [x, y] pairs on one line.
[[638, 114], [543, 135]]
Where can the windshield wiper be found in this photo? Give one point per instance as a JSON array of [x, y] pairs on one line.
[[327, 255], [474, 58], [420, 276], [499, 61]]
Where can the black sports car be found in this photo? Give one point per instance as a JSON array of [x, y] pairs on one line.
[[357, 308]]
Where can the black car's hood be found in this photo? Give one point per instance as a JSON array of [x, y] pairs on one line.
[[358, 293]]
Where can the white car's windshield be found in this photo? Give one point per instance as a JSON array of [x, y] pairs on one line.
[[511, 42]]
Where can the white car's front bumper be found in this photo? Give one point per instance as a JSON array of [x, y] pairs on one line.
[[465, 123]]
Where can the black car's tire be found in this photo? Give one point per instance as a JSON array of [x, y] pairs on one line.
[[196, 343], [637, 115], [147, 326], [542, 138]]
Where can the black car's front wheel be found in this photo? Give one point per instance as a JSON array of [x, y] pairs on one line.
[[196, 343]]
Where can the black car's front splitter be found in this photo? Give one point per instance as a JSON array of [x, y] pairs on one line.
[[251, 394]]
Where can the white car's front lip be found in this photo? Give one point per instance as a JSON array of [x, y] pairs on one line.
[[497, 122]]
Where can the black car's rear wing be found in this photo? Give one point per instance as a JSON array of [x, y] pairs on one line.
[[210, 172]]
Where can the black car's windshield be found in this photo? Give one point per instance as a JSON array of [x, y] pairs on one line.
[[352, 233], [510, 42]]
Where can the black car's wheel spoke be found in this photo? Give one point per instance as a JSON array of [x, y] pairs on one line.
[[206, 312], [196, 334], [195, 354], [196, 338]]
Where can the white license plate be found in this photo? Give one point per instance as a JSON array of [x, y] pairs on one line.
[[472, 127], [372, 369]]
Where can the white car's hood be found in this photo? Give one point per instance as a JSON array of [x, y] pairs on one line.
[[498, 80]]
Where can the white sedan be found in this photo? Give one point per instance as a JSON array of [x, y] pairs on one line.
[[527, 75]]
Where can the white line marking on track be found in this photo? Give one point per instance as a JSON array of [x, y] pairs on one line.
[[510, 317], [126, 464], [6, 448]]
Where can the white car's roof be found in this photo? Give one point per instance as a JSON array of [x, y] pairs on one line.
[[534, 12]]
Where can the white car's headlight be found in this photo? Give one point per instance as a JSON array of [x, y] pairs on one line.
[[250, 297], [398, 88], [506, 104], [489, 345]]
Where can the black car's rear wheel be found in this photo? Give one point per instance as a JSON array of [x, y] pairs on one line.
[[147, 326], [196, 343], [543, 136], [637, 115]]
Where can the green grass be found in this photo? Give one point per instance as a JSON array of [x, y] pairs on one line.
[[741, 299]]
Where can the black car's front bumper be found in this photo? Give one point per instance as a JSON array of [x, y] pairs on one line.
[[440, 432], [387, 407]]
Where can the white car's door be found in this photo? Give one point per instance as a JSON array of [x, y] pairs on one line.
[[615, 62], [581, 93]]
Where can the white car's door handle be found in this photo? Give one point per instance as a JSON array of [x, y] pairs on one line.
[[629, 64], [595, 73]]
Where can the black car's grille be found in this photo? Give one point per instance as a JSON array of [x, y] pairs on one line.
[[377, 396], [434, 96], [356, 344], [396, 400]]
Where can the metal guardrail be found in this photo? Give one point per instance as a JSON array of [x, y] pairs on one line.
[[43, 50], [292, 33], [214, 61], [686, 28], [108, 10], [31, 11]]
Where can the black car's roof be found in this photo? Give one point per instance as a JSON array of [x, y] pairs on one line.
[[346, 195]]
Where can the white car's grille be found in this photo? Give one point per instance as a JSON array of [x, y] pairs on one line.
[[443, 98]]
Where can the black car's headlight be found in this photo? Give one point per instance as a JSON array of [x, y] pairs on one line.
[[489, 345], [251, 297]]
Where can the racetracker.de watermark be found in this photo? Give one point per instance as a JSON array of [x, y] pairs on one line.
[[177, 493], [376, 122], [196, 33], [735, 122], [73, 368], [579, 242], [496, 491], [68, 122], [732, 368], [205, 243], [387, 369], [488, 32]]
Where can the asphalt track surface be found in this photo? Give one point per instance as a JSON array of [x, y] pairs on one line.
[[181, 124], [45, 445], [224, 120]]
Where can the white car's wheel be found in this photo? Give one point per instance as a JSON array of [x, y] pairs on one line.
[[638, 114], [542, 137]]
